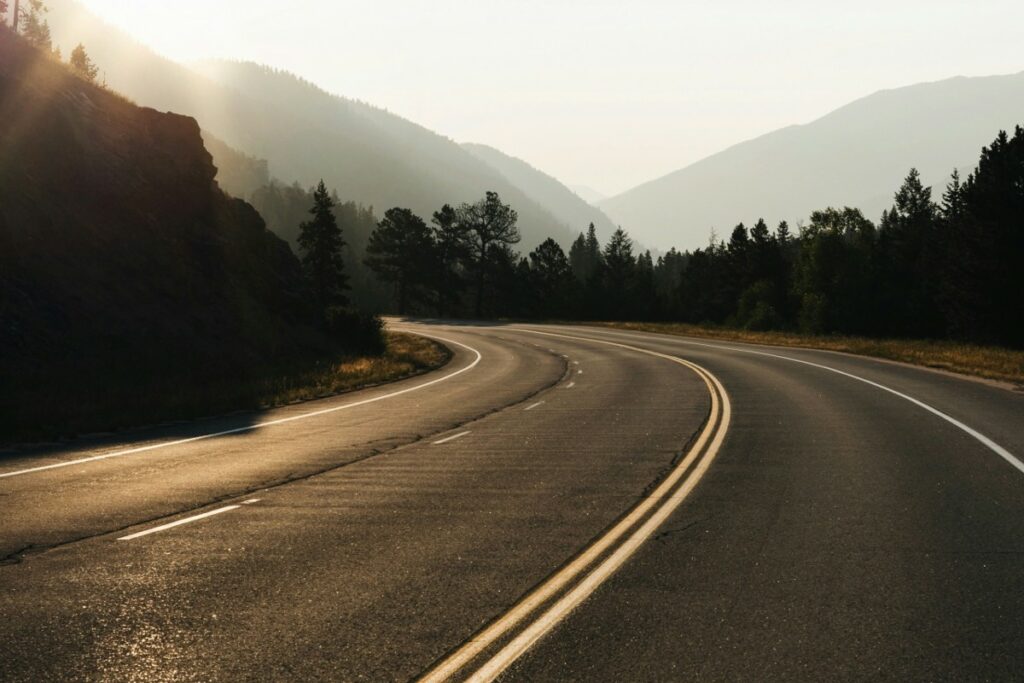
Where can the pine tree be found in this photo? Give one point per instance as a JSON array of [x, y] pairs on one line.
[[914, 200], [506, 281], [910, 253], [760, 234], [668, 274], [782, 233], [488, 224], [585, 255], [320, 241], [953, 198], [644, 293], [82, 64], [401, 251], [34, 27], [551, 279], [593, 251], [618, 256], [617, 276], [739, 240], [578, 258], [983, 300], [451, 251]]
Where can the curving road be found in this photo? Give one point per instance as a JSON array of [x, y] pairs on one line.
[[558, 503]]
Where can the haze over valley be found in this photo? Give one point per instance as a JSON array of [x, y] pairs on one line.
[[851, 156], [476, 340]]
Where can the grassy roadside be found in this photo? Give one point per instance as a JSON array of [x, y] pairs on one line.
[[45, 412], [989, 362], [407, 355]]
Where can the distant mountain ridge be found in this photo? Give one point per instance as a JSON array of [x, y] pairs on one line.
[[856, 156], [588, 194], [566, 205], [368, 154]]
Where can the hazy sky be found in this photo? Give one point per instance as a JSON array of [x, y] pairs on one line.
[[599, 93]]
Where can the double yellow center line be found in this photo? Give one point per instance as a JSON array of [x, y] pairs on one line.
[[525, 623]]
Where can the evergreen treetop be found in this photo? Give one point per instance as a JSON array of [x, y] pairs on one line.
[[320, 241]]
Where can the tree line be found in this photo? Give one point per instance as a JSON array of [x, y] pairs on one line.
[[947, 267], [32, 25]]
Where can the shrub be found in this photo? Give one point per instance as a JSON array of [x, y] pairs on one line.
[[355, 330]]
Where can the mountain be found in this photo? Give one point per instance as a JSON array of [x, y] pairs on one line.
[[122, 264], [588, 194], [565, 204], [238, 174], [855, 156], [370, 155]]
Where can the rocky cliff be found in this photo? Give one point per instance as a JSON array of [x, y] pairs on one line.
[[118, 251]]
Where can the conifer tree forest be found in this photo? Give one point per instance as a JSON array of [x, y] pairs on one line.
[[942, 265]]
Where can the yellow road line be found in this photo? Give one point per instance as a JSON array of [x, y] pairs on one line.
[[495, 666], [449, 666]]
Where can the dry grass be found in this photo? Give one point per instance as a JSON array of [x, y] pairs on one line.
[[989, 362], [406, 355]]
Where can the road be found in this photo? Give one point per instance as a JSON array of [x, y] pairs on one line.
[[558, 503]]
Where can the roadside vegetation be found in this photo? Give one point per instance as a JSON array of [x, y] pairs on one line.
[[145, 294], [989, 362], [52, 411]]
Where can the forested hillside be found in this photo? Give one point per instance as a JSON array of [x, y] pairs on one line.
[[565, 204], [122, 264], [369, 155], [238, 174], [285, 207]]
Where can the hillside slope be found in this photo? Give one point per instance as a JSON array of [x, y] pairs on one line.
[[382, 160], [119, 255], [565, 204], [855, 156], [371, 156], [238, 174]]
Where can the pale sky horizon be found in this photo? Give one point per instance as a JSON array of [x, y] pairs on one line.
[[597, 93]]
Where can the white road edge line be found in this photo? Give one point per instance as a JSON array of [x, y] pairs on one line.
[[719, 419], [984, 440], [259, 425], [451, 438], [534, 405], [187, 520]]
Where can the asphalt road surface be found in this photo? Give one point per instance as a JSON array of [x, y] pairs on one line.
[[558, 503]]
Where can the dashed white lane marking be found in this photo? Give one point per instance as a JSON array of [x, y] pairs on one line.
[[187, 520], [258, 425], [534, 405], [451, 438], [570, 385]]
